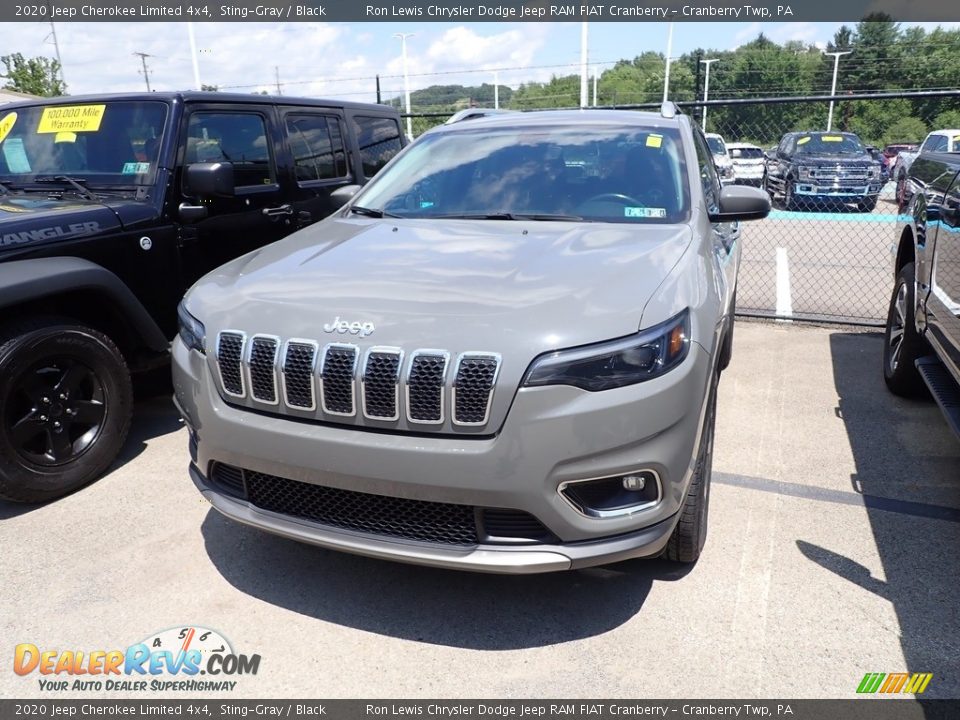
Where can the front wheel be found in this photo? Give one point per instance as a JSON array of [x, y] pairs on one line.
[[65, 407], [790, 201], [690, 534], [903, 345]]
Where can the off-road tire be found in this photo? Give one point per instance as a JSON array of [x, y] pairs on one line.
[[53, 370]]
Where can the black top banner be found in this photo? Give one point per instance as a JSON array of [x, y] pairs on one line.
[[473, 11]]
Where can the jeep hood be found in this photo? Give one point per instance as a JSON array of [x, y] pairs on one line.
[[461, 285]]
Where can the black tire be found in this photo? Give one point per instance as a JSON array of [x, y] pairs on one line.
[[690, 534], [65, 407], [790, 201], [902, 344], [868, 205]]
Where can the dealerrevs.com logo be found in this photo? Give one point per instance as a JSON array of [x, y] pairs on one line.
[[189, 659]]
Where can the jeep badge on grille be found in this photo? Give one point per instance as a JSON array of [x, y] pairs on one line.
[[354, 328]]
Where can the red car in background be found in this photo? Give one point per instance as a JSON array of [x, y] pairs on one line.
[[890, 153]]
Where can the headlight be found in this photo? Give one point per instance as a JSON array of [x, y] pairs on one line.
[[873, 173], [191, 330], [617, 363], [805, 173]]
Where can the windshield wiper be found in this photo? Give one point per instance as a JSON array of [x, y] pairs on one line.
[[510, 216], [371, 212], [73, 182]]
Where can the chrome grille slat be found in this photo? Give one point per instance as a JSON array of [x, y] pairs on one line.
[[426, 378], [299, 386], [230, 345], [473, 387], [380, 388], [262, 368], [337, 379]]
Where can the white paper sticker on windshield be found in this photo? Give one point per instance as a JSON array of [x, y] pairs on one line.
[[135, 168], [644, 212], [16, 156]]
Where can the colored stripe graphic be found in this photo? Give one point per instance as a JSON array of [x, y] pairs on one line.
[[894, 682], [906, 683], [870, 682], [918, 683]]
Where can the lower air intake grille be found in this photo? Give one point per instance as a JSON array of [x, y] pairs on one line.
[[473, 387], [228, 477], [229, 352], [378, 514], [515, 524]]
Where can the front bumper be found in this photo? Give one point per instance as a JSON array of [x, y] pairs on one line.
[[552, 436], [837, 191]]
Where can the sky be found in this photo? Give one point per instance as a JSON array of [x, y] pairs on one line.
[[340, 60]]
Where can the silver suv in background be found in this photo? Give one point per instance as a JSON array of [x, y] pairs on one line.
[[501, 355], [718, 146]]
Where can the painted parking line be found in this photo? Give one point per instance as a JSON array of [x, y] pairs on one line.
[[784, 299], [838, 216]]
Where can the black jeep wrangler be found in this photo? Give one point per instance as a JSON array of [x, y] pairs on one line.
[[110, 208], [821, 170]]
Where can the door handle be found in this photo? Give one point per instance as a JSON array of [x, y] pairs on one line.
[[278, 211]]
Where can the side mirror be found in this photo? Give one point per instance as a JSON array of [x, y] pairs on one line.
[[741, 203], [342, 195], [210, 179]]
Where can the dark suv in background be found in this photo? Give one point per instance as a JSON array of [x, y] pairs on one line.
[[822, 171], [111, 206]]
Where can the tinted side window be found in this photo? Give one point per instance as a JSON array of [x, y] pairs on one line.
[[237, 138], [379, 141], [707, 172], [317, 145], [939, 144]]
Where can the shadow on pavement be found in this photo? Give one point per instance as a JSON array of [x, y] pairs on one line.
[[153, 416], [440, 607], [906, 459]]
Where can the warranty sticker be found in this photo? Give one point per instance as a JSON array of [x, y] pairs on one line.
[[6, 125], [71, 118]]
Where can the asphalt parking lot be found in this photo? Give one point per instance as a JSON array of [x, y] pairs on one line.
[[823, 263], [834, 528]]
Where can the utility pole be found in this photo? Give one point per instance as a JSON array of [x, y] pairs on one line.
[[496, 90], [146, 73], [583, 65], [406, 78], [193, 57], [706, 89], [276, 75], [666, 69], [833, 89], [56, 47], [378, 90]]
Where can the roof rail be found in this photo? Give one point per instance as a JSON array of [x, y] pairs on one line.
[[473, 114], [668, 110]]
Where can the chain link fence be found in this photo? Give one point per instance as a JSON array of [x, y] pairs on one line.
[[824, 253]]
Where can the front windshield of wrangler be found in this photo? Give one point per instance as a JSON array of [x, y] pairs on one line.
[[575, 172], [105, 143]]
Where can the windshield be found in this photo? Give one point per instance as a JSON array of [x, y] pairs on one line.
[[111, 143], [609, 174], [754, 153], [827, 144], [716, 145]]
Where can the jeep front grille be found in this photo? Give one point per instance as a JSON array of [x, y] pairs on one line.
[[341, 383], [262, 365]]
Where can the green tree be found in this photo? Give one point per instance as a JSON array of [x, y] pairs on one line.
[[34, 76], [905, 129], [209, 88], [947, 120]]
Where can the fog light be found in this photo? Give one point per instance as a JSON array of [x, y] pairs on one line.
[[634, 483]]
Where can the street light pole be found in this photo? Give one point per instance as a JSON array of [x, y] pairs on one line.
[[583, 65], [706, 89], [406, 77], [496, 90], [833, 89], [666, 69]]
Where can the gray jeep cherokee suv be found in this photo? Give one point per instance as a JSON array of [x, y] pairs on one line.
[[501, 355]]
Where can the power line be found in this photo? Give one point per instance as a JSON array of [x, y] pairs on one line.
[[145, 72]]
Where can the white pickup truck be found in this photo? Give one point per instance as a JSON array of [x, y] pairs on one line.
[[938, 141]]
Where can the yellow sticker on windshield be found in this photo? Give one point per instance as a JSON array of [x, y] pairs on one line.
[[831, 138], [65, 136], [71, 118], [654, 141], [801, 141], [6, 125]]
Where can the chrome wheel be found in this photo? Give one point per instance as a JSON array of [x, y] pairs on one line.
[[898, 323]]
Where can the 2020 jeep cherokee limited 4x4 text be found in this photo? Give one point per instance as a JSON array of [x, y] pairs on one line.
[[502, 355]]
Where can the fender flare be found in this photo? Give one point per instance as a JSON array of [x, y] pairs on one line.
[[25, 280]]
